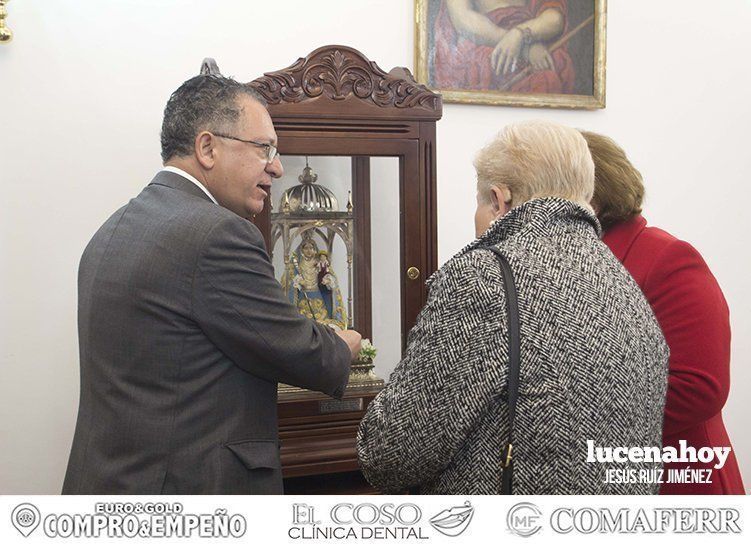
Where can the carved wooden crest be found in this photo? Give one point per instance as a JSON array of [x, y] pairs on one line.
[[342, 74]]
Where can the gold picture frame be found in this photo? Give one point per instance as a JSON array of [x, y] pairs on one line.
[[430, 14]]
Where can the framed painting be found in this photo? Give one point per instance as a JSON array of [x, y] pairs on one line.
[[535, 53]]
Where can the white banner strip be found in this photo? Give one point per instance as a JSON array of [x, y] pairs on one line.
[[379, 518]]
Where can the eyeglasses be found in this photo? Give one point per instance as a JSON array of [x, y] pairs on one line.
[[271, 151]]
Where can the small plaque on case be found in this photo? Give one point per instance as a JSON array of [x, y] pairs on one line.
[[335, 406]]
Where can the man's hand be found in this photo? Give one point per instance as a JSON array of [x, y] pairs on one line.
[[353, 339], [505, 56], [539, 57]]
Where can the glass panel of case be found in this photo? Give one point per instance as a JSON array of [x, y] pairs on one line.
[[338, 259]]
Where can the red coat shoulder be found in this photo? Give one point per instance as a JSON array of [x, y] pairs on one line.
[[691, 310]]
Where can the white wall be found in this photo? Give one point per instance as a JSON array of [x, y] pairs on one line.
[[82, 90]]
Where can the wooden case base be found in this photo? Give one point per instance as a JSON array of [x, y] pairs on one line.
[[317, 435]]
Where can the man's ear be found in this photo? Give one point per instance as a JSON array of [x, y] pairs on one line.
[[205, 149]]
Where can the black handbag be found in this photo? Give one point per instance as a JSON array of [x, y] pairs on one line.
[[514, 351]]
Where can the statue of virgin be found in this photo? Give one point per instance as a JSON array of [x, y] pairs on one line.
[[312, 286]]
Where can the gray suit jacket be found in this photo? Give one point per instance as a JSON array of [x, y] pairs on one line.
[[184, 334]]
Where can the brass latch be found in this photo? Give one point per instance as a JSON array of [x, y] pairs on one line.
[[507, 451]]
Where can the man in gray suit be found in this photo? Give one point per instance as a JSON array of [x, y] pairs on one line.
[[183, 330]]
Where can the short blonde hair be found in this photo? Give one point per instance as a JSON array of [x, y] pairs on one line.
[[537, 159], [619, 189]]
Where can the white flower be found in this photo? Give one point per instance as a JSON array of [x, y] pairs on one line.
[[367, 350]]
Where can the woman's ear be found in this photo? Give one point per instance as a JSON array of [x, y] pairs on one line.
[[500, 197]]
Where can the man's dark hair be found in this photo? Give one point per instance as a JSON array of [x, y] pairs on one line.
[[205, 102]]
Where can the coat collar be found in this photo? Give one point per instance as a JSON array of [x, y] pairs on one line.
[[535, 216], [176, 181], [621, 236]]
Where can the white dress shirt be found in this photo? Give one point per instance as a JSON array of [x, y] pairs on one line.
[[187, 176]]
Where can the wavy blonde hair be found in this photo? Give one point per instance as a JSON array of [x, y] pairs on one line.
[[619, 189], [537, 159]]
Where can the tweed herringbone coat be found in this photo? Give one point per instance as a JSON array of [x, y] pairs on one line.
[[593, 367]]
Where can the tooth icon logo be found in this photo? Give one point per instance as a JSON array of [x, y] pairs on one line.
[[454, 521], [25, 518]]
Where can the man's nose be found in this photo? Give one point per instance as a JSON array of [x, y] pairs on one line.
[[275, 168]]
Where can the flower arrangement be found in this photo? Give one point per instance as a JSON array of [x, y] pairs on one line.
[[362, 374], [367, 352]]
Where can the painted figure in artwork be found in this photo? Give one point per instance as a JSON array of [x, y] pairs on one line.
[[312, 285], [502, 45]]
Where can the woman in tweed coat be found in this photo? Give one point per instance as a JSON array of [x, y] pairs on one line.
[[593, 359]]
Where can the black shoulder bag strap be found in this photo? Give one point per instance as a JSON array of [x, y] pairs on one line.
[[514, 361]]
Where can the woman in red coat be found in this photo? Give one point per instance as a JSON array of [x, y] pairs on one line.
[[690, 308]]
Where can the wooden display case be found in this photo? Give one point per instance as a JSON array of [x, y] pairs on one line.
[[336, 103]]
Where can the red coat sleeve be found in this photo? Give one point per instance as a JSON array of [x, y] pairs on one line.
[[694, 317]]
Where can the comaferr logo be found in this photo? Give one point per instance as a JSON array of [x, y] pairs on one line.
[[641, 520], [524, 519]]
